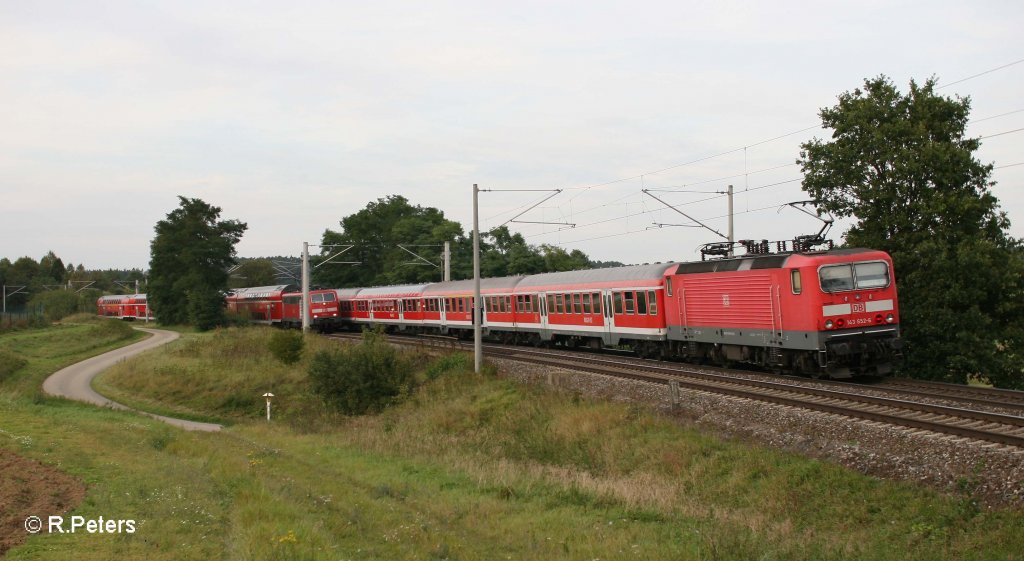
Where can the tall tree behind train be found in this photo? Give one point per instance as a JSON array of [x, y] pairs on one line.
[[376, 234], [903, 167], [189, 261], [378, 231]]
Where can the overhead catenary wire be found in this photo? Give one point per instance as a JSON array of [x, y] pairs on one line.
[[989, 71], [641, 213], [746, 173]]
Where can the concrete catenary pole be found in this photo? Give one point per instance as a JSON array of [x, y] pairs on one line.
[[478, 349], [447, 257], [732, 238], [304, 306]]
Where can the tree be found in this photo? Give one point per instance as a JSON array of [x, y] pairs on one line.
[[558, 259], [902, 166], [377, 231], [189, 259], [254, 272]]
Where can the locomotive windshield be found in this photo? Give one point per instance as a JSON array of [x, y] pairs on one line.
[[854, 276]]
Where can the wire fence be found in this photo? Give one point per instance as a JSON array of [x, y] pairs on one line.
[[20, 320]]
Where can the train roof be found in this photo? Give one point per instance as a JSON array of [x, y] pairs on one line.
[[394, 290], [768, 261], [255, 291], [466, 286], [347, 292], [121, 297], [648, 272]]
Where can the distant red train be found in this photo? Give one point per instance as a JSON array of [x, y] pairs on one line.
[[825, 313], [280, 305], [126, 306]]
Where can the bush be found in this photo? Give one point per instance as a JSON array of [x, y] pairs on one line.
[[363, 378], [286, 346], [56, 304]]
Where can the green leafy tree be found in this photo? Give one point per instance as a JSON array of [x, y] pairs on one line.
[[52, 266], [902, 166], [558, 259], [189, 259], [254, 272], [377, 231]]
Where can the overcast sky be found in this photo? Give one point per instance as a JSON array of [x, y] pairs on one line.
[[290, 115]]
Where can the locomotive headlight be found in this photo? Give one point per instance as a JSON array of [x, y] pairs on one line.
[[889, 318], [828, 324]]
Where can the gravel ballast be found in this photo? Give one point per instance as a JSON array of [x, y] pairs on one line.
[[991, 474]]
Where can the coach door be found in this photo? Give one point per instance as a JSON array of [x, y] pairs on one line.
[[543, 297], [609, 316]]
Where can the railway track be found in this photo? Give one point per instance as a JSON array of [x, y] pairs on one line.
[[837, 398]]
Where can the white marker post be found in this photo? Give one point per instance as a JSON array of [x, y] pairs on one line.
[[268, 395]]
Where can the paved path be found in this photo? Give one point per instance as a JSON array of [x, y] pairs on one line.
[[74, 382]]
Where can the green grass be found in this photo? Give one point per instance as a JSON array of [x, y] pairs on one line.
[[469, 467]]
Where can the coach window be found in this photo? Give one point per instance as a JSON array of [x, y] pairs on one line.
[[794, 281], [587, 308], [618, 303], [577, 303], [596, 296], [628, 296], [559, 303], [641, 303], [551, 303], [529, 304]]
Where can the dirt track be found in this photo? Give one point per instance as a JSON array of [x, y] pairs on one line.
[[74, 382]]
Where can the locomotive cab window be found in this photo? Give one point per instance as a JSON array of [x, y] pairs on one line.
[[859, 276], [871, 275], [794, 278]]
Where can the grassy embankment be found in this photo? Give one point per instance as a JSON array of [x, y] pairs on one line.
[[467, 468]]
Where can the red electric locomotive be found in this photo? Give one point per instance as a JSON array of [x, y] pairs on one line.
[[324, 314], [823, 313]]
